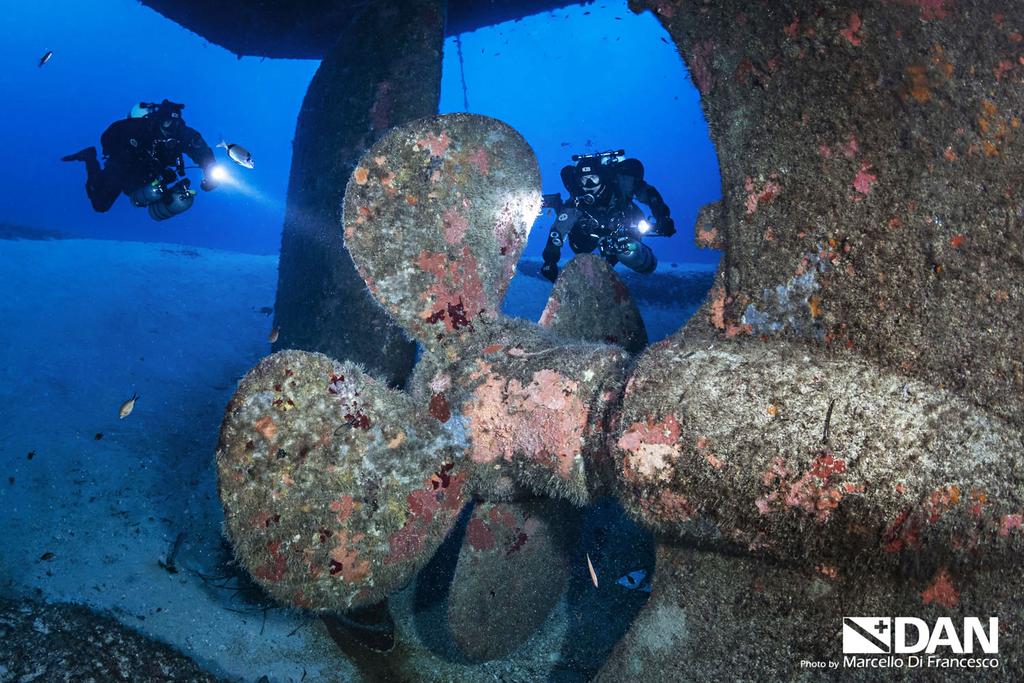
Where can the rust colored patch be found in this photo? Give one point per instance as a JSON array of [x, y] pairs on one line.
[[265, 426], [439, 408], [361, 175], [941, 591], [276, 567], [345, 561], [918, 87], [479, 535], [422, 505], [343, 508], [814, 304], [493, 348], [829, 571]]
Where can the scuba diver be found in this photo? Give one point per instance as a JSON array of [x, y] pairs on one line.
[[143, 157], [600, 213]]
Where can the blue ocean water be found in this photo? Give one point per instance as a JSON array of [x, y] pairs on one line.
[[177, 311], [618, 83]]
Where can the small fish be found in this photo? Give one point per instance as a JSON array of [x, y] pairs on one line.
[[99, 435], [633, 580], [45, 58], [31, 454], [238, 154], [47, 556], [128, 406], [272, 337], [590, 568], [266, 310]]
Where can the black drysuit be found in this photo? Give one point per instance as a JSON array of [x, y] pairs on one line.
[[584, 224], [137, 151]]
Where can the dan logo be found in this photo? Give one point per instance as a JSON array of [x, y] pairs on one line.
[[867, 635], [910, 635]]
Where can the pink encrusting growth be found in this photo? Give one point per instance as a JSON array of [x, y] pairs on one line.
[[437, 144], [708, 238], [1010, 523], [651, 448], [479, 160], [864, 179], [810, 492], [760, 194], [543, 420], [850, 32], [455, 225]]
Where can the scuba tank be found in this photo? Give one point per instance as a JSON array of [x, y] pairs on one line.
[[177, 199], [148, 193]]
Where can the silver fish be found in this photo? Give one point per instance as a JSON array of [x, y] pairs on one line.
[[45, 58], [128, 406], [238, 154], [590, 568]]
